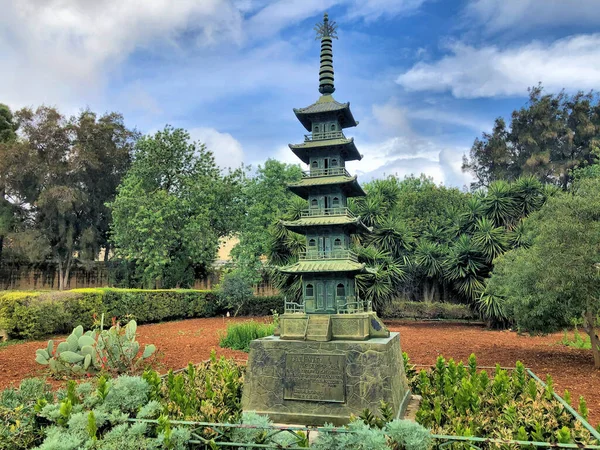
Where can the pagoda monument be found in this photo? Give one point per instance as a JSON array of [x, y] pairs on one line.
[[333, 356]]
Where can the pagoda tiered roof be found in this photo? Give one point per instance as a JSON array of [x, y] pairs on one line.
[[340, 217], [349, 185], [349, 152], [325, 266], [326, 105]]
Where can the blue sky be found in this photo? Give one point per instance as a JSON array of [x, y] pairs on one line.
[[424, 77]]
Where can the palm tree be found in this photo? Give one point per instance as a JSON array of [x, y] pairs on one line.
[[493, 241], [464, 267], [500, 204], [381, 287], [529, 194], [392, 236], [429, 261]]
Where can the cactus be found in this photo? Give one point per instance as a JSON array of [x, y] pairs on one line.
[[114, 350]]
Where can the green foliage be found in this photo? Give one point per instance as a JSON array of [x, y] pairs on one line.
[[266, 198], [398, 309], [20, 428], [207, 392], [546, 286], [114, 350], [239, 335], [545, 140], [63, 171], [462, 401], [235, 290], [172, 207], [33, 314], [578, 340]]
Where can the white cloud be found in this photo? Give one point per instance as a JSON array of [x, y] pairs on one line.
[[522, 15], [371, 10], [227, 150], [404, 156], [572, 63], [59, 49]]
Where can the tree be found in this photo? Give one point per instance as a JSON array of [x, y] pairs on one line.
[[58, 173], [548, 138], [235, 290], [172, 208], [557, 279], [8, 129], [266, 198]]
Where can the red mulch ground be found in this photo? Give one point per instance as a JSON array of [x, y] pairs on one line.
[[193, 340]]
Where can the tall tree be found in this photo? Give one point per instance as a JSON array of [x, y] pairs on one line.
[[267, 199], [8, 128], [547, 138], [557, 279], [60, 172], [172, 207]]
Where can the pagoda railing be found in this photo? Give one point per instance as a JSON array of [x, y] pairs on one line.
[[317, 212], [291, 307], [331, 254], [324, 135], [325, 172], [351, 305]]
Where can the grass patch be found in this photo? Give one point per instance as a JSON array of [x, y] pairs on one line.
[[239, 335]]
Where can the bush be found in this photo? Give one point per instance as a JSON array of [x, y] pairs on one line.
[[461, 400], [424, 310], [239, 335], [34, 314], [262, 305], [19, 426]]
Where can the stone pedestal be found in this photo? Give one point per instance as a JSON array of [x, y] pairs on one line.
[[311, 383]]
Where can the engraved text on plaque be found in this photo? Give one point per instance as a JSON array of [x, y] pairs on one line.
[[315, 377]]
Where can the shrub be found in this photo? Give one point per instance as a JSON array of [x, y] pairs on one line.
[[30, 315], [239, 335], [424, 310], [460, 400], [19, 426], [34, 314], [262, 305]]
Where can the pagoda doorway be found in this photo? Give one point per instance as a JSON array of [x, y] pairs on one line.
[[325, 298]]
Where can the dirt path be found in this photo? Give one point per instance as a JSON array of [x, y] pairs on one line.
[[193, 340]]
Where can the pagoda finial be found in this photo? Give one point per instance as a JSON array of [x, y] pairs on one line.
[[326, 32]]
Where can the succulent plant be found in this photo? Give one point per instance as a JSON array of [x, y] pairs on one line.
[[115, 350]]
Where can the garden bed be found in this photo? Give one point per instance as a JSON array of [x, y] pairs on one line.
[[192, 340]]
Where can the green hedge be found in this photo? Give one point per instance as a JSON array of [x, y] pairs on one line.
[[30, 315], [424, 310]]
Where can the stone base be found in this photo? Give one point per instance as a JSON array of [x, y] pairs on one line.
[[327, 327], [311, 383]]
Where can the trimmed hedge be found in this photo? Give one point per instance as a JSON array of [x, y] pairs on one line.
[[423, 310], [34, 314]]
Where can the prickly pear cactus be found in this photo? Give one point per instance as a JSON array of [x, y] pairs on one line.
[[114, 350]]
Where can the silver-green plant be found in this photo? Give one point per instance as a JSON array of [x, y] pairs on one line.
[[114, 350]]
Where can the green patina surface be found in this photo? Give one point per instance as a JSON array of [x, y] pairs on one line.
[[349, 185], [333, 265], [333, 357], [317, 382]]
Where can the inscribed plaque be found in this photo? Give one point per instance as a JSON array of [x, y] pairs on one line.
[[313, 377]]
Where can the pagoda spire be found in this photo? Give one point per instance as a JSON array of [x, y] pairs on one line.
[[326, 31]]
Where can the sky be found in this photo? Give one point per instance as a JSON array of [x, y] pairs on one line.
[[424, 77]]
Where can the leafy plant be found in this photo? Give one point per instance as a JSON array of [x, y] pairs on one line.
[[115, 350], [239, 335], [465, 401]]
